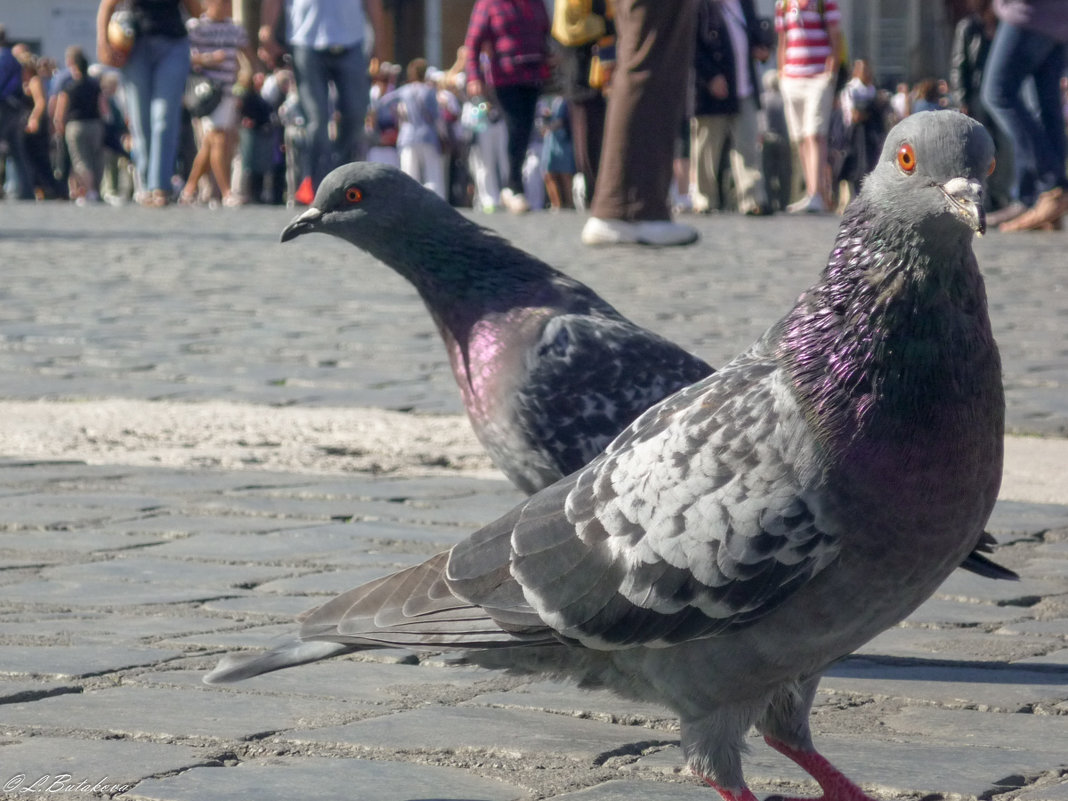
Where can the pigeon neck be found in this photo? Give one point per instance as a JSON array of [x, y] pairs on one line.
[[896, 321], [463, 271]]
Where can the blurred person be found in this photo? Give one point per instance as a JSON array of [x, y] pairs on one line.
[[37, 136], [726, 104], [215, 41], [557, 154], [586, 103], [865, 125], [775, 157], [260, 136], [900, 103], [810, 50], [80, 111], [1030, 44], [972, 38], [116, 185], [154, 76], [13, 114], [926, 96], [514, 36], [421, 129], [646, 105], [328, 41]]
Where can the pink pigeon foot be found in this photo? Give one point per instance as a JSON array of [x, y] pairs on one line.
[[744, 794], [835, 786]]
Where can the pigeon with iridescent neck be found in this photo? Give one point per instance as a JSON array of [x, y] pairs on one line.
[[747, 532], [548, 371]]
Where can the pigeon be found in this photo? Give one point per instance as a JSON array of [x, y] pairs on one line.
[[548, 371], [753, 528]]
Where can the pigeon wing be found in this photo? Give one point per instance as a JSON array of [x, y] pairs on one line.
[[589, 377], [721, 532]]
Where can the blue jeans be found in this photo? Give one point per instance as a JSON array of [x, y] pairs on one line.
[[315, 70], [154, 81], [1039, 142]]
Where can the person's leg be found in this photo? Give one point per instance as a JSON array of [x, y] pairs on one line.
[[1050, 147], [434, 171], [312, 86], [745, 159], [348, 71], [169, 69], [709, 136], [137, 88], [654, 50], [1014, 55], [517, 105]]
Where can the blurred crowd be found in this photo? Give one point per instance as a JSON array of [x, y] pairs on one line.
[[180, 105]]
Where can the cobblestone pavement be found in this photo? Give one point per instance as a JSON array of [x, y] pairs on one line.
[[120, 584]]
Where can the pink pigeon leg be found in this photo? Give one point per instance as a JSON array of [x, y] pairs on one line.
[[835, 786], [744, 794]]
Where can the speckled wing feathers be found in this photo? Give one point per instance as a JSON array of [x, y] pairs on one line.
[[589, 376]]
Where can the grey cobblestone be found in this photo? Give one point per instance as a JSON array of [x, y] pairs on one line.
[[120, 585]]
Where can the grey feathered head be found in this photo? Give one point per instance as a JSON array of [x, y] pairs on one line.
[[363, 202], [933, 169]]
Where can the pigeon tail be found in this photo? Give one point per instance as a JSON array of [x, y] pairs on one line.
[[237, 667]]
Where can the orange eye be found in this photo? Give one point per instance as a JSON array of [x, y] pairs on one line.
[[993, 164], [906, 158], [353, 194]]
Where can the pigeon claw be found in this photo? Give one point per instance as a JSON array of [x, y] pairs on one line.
[[307, 222], [835, 786]]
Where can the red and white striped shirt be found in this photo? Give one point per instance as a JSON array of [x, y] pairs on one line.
[[808, 44]]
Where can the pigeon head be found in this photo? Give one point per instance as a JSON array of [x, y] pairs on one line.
[[367, 203], [932, 172]]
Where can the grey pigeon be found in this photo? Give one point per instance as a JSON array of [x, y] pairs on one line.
[[549, 372], [745, 533]]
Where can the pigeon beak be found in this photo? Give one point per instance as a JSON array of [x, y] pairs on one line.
[[966, 199], [303, 224]]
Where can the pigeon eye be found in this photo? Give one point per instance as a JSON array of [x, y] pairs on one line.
[[993, 164], [353, 194], [906, 158]]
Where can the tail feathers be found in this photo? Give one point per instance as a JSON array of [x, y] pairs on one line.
[[236, 667]]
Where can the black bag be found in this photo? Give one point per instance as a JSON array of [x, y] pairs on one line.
[[202, 95]]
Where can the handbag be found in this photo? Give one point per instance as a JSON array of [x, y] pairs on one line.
[[202, 95], [574, 22]]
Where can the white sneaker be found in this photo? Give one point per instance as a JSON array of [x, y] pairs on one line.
[[662, 233], [515, 202], [809, 204]]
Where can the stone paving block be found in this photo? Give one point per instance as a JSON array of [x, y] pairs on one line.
[[328, 582], [12, 689], [167, 712], [94, 627], [1014, 519], [945, 613], [325, 780], [132, 580], [949, 645], [625, 790], [87, 540], [1053, 792], [1038, 737], [970, 588], [1004, 689], [77, 660], [62, 762], [565, 698], [263, 605], [344, 678], [330, 543], [1056, 627], [1055, 659], [495, 730]]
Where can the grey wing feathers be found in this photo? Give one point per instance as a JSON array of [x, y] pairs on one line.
[[713, 538]]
